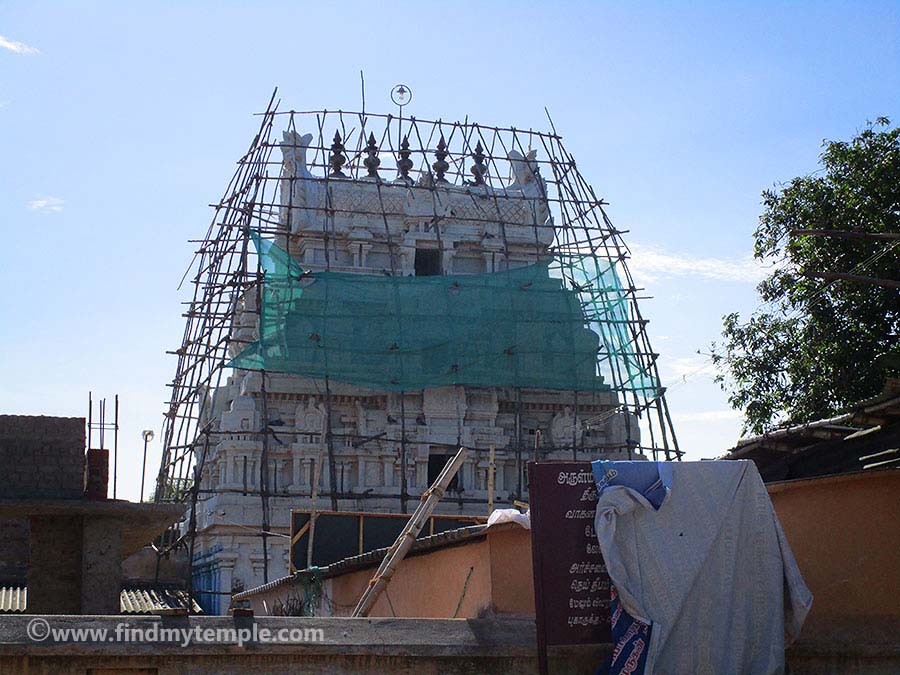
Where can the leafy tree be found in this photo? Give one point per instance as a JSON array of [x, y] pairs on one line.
[[818, 345]]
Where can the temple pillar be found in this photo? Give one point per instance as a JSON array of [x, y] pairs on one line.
[[296, 465], [388, 471]]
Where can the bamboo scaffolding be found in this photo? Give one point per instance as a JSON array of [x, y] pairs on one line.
[[404, 541], [225, 270], [490, 481]]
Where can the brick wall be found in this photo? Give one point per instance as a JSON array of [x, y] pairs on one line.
[[41, 457]]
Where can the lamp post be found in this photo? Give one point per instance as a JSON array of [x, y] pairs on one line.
[[148, 436]]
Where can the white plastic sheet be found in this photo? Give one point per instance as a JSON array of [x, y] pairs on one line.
[[510, 516]]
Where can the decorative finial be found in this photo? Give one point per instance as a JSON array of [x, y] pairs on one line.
[[478, 169], [372, 162], [405, 163], [401, 95], [337, 159], [441, 166]]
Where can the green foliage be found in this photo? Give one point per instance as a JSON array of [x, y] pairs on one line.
[[175, 490], [817, 346]]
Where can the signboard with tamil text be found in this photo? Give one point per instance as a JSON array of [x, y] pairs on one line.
[[571, 585]]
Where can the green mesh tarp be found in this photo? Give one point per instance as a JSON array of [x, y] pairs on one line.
[[518, 328], [606, 308]]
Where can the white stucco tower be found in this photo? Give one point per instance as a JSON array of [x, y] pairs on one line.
[[371, 212]]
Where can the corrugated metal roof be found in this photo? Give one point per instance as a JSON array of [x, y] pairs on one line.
[[13, 598], [134, 599], [150, 599]]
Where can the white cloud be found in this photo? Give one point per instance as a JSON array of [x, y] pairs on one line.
[[17, 47], [46, 205], [683, 368], [649, 263], [727, 414]]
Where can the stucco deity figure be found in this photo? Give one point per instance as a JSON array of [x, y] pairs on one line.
[[564, 427], [299, 192], [311, 417], [524, 172], [206, 404], [526, 176]]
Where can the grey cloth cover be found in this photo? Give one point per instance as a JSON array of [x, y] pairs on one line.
[[711, 569]]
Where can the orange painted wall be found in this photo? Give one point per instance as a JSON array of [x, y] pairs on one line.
[[432, 584], [845, 534], [424, 586], [512, 578]]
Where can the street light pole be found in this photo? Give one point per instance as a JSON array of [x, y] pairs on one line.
[[148, 436]]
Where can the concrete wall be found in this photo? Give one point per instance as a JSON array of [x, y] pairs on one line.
[[142, 566], [54, 574], [101, 565], [845, 534], [76, 565], [41, 457], [407, 646]]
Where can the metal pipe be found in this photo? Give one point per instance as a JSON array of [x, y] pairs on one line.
[[116, 446], [148, 436], [90, 416]]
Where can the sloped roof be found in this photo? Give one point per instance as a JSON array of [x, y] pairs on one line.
[[373, 558], [865, 437]]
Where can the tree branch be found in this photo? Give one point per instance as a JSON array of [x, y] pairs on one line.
[[847, 234], [841, 276]]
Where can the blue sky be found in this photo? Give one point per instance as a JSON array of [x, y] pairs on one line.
[[120, 123]]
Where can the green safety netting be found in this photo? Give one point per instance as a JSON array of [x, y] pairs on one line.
[[516, 328], [606, 308]]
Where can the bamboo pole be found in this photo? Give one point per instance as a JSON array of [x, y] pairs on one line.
[[404, 541], [490, 482], [314, 493]]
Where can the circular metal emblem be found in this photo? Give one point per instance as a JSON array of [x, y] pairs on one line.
[[401, 94]]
